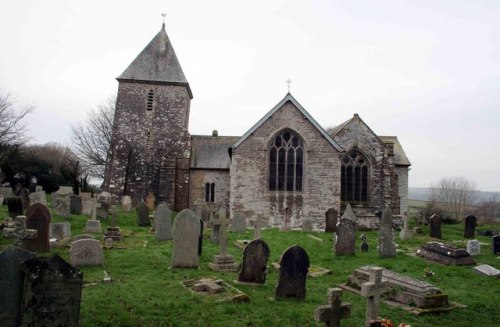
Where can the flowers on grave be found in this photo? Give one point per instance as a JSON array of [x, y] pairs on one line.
[[428, 272], [384, 322]]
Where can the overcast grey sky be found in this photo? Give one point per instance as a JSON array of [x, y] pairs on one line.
[[427, 71]]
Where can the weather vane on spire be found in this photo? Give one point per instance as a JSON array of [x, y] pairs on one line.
[[163, 14], [288, 82]]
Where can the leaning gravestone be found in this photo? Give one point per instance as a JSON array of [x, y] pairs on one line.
[[52, 291], [470, 227], [331, 220], [473, 247], [60, 231], [75, 205], [386, 247], [253, 269], [345, 241], [61, 206], [186, 234], [435, 226], [495, 242], [163, 223], [239, 223], [15, 206], [86, 252], [294, 265], [142, 214], [11, 281], [38, 217]]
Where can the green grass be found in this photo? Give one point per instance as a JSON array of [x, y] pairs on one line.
[[146, 292]]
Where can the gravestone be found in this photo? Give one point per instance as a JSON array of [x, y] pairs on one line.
[[38, 197], [186, 236], [223, 261], [386, 247], [331, 217], [142, 214], [104, 197], [93, 226], [330, 314], [200, 238], [151, 201], [24, 194], [473, 247], [61, 206], [470, 227], [102, 209], [495, 243], [52, 292], [14, 206], [345, 241], [60, 231], [85, 196], [75, 204], [38, 217], [254, 267], [445, 254], [364, 244], [163, 223], [11, 281], [486, 270], [126, 203], [239, 223], [435, 226], [257, 228], [6, 192], [371, 290], [307, 226], [113, 231], [86, 252], [405, 233], [108, 243], [19, 232], [88, 205], [294, 265]]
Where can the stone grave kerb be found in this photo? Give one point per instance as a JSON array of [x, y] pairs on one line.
[[330, 314], [20, 233], [371, 290]]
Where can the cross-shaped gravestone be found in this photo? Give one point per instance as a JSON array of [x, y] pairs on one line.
[[371, 290], [94, 205], [223, 235], [19, 232], [258, 228], [112, 212], [331, 313]]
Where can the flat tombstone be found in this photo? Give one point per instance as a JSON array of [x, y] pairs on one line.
[[142, 214], [38, 217], [435, 226], [126, 203], [11, 284], [60, 231], [331, 217], [386, 246], [15, 206], [470, 227], [345, 241], [294, 265], [52, 292], [307, 226], [151, 201], [186, 234], [495, 241], [255, 256], [86, 252], [75, 204], [163, 223], [61, 206], [487, 270], [239, 224]]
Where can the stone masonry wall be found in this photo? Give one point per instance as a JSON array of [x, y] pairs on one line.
[[199, 178], [402, 172]]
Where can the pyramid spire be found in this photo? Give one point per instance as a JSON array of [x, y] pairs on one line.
[[157, 63]]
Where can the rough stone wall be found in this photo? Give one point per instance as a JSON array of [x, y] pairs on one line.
[[150, 148], [249, 193], [383, 180], [199, 178], [402, 172]]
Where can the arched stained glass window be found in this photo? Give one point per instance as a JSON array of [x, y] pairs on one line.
[[286, 163], [354, 177]]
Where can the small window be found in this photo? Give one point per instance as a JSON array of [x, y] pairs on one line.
[[149, 102], [209, 192]]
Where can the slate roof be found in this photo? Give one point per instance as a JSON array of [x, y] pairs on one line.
[[400, 157], [210, 152], [157, 63]]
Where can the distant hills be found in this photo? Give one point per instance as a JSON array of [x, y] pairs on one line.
[[422, 194]]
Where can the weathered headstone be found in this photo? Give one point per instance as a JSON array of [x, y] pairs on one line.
[[24, 194], [294, 265], [470, 227], [60, 231], [86, 252], [364, 244], [38, 217], [445, 254], [113, 231], [386, 247], [495, 243], [331, 217], [108, 243], [163, 223], [104, 197], [254, 267], [126, 203], [61, 206], [435, 226], [186, 235], [487, 270], [307, 226], [102, 209], [142, 214], [75, 205], [88, 205], [85, 196], [38, 197], [330, 314], [473, 247], [19, 232], [11, 281], [93, 226], [405, 233], [52, 291], [239, 223], [345, 241], [223, 261], [151, 201], [371, 290], [14, 206]]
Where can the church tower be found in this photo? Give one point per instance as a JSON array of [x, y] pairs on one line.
[[150, 143]]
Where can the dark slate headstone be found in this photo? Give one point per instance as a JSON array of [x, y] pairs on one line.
[[435, 226], [495, 240], [294, 265], [24, 194], [253, 268], [11, 284], [470, 227], [186, 240], [38, 217], [345, 241], [142, 214], [52, 292], [75, 204], [331, 220], [15, 206], [200, 239]]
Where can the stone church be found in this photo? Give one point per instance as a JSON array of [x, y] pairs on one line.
[[286, 168]]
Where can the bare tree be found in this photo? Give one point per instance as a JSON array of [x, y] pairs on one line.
[[453, 196], [12, 122], [487, 209], [91, 140]]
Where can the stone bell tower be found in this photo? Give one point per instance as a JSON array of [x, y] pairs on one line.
[[150, 143]]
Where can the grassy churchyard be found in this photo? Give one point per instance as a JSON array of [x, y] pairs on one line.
[[145, 292]]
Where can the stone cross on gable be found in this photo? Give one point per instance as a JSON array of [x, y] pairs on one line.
[[331, 313], [19, 232], [371, 290]]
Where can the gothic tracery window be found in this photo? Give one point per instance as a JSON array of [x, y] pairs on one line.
[[286, 162], [354, 177]]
